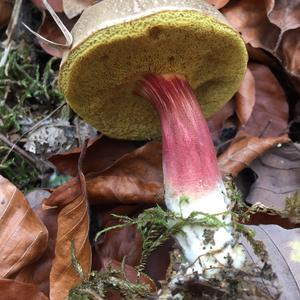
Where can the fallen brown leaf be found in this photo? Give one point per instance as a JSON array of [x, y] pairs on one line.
[[278, 172], [5, 12], [15, 290], [23, 237], [73, 225], [50, 31], [101, 154], [118, 244], [39, 271], [135, 178], [283, 247], [131, 275], [244, 150], [270, 112], [245, 98]]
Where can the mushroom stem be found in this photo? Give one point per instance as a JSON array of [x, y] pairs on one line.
[[192, 179]]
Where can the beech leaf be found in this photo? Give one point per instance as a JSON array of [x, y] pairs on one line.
[[134, 178], [278, 172], [283, 247], [16, 290], [101, 153], [23, 237], [5, 12], [244, 150]]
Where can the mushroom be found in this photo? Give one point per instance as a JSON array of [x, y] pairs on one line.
[[136, 66]]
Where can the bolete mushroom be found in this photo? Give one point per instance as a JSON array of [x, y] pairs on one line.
[[137, 65]]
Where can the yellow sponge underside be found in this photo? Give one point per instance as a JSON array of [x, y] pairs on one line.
[[99, 76]]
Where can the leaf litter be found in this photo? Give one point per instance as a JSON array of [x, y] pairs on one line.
[[121, 178]]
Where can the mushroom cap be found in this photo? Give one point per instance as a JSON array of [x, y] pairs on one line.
[[116, 42]]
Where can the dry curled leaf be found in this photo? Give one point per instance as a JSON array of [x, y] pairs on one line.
[[51, 31], [38, 272], [244, 150], [245, 98], [134, 178], [101, 153], [278, 172], [122, 243], [16, 290], [73, 223], [23, 237], [283, 247]]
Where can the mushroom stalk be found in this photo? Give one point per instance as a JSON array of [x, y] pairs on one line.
[[192, 179]]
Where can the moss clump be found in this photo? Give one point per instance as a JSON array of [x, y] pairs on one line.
[[99, 76]]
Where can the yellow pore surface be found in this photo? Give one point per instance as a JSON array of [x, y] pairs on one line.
[[99, 76]]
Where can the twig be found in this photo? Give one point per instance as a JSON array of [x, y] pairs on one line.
[[34, 127], [38, 164], [11, 29]]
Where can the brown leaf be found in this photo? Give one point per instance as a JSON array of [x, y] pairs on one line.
[[5, 12], [278, 172], [38, 272], [130, 273], [245, 98], [23, 237], [57, 5], [218, 3], [73, 8], [135, 178], [270, 113], [119, 243], [283, 247], [101, 154], [73, 230], [15, 290], [250, 18], [50, 31], [244, 150], [73, 225]]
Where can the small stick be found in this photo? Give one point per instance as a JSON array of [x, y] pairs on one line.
[[34, 162]]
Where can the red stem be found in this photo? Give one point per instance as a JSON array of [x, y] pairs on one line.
[[189, 158]]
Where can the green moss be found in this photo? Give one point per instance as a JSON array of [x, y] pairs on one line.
[[99, 76]]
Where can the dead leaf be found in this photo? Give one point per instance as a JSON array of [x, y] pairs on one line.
[[278, 172], [39, 271], [135, 178], [73, 226], [218, 3], [245, 98], [130, 273], [15, 290], [118, 244], [5, 12], [270, 113], [244, 150], [73, 8], [57, 5], [23, 237], [250, 18], [50, 31], [101, 154], [283, 247]]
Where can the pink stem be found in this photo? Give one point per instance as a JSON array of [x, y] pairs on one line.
[[189, 158]]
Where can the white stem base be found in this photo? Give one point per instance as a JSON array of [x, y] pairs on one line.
[[207, 249]]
